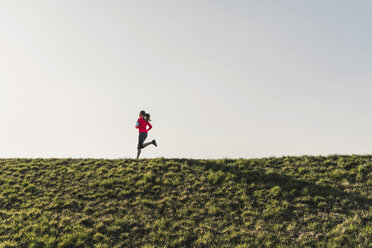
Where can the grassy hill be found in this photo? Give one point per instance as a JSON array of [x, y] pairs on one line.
[[270, 202]]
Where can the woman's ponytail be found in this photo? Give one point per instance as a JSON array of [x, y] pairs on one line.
[[147, 117]]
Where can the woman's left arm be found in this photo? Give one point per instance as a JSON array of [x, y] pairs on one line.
[[149, 126]]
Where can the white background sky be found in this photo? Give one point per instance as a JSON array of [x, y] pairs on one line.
[[220, 78]]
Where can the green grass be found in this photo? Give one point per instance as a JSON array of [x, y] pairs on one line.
[[303, 201]]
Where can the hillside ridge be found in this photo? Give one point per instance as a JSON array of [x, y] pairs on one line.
[[297, 201]]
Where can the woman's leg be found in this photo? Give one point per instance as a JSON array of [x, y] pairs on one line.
[[141, 139], [138, 153], [139, 150], [146, 144]]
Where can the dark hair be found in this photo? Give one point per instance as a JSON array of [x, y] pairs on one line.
[[147, 117], [143, 112]]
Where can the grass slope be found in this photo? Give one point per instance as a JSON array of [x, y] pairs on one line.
[[271, 202]]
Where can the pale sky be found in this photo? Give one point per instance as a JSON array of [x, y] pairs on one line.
[[221, 79]]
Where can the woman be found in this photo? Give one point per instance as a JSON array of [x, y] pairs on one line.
[[142, 122]]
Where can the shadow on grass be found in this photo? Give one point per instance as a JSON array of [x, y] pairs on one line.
[[292, 189]]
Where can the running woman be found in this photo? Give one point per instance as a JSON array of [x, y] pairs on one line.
[[142, 122]]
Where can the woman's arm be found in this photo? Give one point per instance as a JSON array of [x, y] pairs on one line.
[[149, 126]]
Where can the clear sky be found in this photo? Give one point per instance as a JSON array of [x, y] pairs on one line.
[[221, 79]]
